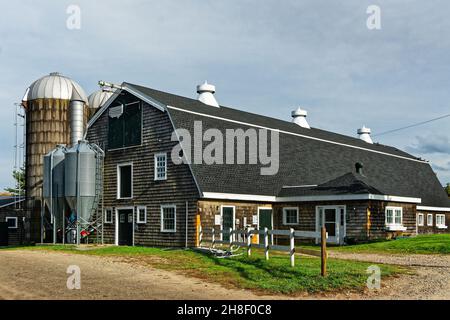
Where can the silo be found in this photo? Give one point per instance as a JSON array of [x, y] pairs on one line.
[[53, 184], [80, 180], [47, 103], [97, 99]]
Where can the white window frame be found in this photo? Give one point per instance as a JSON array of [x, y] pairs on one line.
[[394, 226], [120, 165], [16, 224], [439, 224], [284, 216], [138, 216], [175, 218], [420, 216], [156, 166], [429, 215], [106, 215]]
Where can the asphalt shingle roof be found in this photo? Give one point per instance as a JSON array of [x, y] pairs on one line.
[[305, 158]]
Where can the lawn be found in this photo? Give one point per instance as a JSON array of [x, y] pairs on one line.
[[422, 244], [273, 276]]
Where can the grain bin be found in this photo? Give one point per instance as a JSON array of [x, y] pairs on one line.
[[53, 184], [80, 180], [47, 104]]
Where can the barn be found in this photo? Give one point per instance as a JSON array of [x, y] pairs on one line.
[[154, 196], [12, 215]]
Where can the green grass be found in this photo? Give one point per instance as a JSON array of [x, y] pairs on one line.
[[422, 244], [273, 276]]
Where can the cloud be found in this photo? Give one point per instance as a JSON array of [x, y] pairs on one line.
[[442, 168], [263, 57], [431, 144]]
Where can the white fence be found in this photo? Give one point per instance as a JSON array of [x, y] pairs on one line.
[[243, 238]]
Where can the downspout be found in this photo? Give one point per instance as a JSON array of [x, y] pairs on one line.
[[187, 216]]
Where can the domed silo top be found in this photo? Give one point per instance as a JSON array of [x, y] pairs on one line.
[[55, 86], [97, 99]]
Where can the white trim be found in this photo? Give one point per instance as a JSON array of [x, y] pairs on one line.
[[302, 186], [440, 225], [154, 103], [155, 171], [175, 218], [116, 238], [106, 221], [337, 238], [284, 216], [221, 218], [394, 226], [118, 179], [420, 215], [430, 215], [235, 196], [294, 134], [138, 218], [250, 197], [16, 224], [424, 208]]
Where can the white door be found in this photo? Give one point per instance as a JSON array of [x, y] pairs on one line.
[[333, 218]]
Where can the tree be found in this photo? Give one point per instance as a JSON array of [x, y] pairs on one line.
[[19, 177], [447, 188]]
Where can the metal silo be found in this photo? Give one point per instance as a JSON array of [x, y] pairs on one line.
[[53, 186], [81, 171], [48, 102]]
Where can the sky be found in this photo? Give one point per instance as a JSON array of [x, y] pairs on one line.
[[267, 57]]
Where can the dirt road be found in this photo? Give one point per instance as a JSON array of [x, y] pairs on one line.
[[26, 274], [42, 275]]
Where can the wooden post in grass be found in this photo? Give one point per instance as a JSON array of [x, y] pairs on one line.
[[249, 243], [323, 252], [292, 243], [213, 238], [266, 243]]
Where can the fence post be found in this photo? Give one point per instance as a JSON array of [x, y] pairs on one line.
[[200, 235], [249, 243], [231, 238], [323, 250], [213, 238], [292, 242], [266, 243]]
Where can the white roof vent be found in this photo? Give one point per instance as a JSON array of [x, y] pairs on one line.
[[206, 94], [364, 134], [299, 117]]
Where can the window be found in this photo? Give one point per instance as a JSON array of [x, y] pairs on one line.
[[168, 218], [141, 215], [394, 216], [12, 222], [440, 221], [290, 216], [160, 166], [125, 125], [430, 220], [108, 215], [420, 219], [125, 181]]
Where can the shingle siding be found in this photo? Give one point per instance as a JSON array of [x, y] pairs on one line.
[[177, 189]]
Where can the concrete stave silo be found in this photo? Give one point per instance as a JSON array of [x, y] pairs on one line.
[[48, 103]]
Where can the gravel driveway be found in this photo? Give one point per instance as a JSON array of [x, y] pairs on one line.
[[430, 278], [26, 274]]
